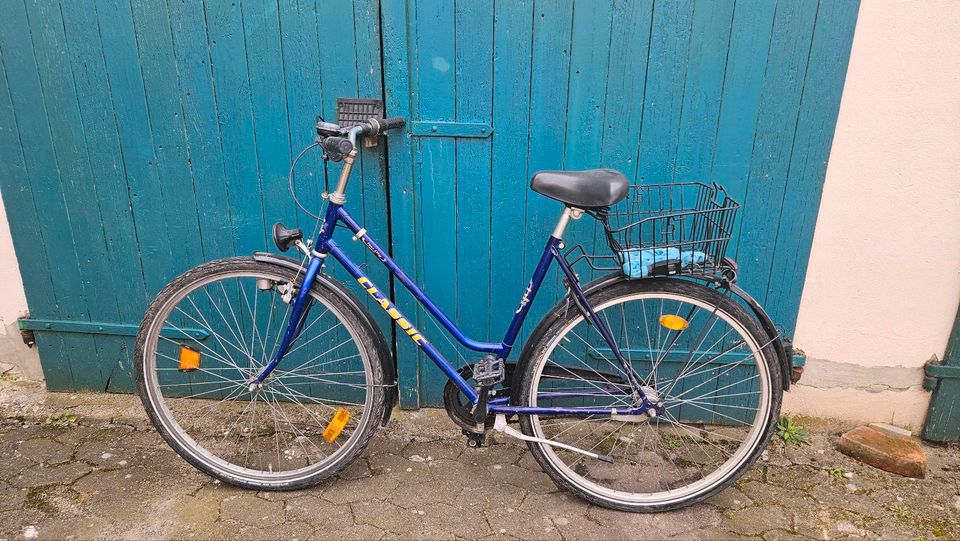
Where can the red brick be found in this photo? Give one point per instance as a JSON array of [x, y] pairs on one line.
[[886, 450]]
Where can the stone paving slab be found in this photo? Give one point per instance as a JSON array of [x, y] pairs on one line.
[[110, 476]]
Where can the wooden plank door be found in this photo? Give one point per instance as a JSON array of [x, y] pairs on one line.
[[742, 92], [140, 138]]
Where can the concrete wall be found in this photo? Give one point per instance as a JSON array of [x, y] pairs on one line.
[[883, 284], [13, 304]]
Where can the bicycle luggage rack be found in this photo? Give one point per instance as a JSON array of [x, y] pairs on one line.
[[678, 227]]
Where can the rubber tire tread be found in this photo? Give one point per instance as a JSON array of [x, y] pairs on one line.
[[666, 285], [356, 320]]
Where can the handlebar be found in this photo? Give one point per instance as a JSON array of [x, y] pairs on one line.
[[337, 142]]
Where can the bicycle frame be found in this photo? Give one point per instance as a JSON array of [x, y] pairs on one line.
[[326, 246]]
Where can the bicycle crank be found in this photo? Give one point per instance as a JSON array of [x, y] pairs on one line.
[[500, 425]]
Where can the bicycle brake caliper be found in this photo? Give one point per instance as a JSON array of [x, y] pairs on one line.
[[287, 292]]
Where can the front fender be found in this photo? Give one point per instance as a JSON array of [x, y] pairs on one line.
[[333, 286]]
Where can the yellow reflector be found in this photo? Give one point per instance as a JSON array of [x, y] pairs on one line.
[[189, 359], [673, 322], [339, 421]]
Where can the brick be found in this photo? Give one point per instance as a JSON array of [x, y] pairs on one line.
[[885, 449]]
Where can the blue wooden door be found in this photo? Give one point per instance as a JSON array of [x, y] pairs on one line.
[[139, 138], [742, 92]]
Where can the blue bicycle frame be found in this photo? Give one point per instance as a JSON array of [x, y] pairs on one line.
[[325, 245]]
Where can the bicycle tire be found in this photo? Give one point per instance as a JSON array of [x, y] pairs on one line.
[[357, 325], [607, 296]]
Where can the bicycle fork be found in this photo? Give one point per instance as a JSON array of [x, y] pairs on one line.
[[298, 314]]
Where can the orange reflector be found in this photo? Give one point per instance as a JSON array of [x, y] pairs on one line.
[[674, 323], [189, 359], [339, 421]]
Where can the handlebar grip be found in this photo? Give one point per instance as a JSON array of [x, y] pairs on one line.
[[336, 147], [392, 123], [377, 126]]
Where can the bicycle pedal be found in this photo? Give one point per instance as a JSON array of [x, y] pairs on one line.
[[474, 440], [489, 371]]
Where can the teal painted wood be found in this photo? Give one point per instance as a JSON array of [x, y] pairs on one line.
[[436, 54], [36, 144], [140, 138], [776, 125], [546, 130], [687, 90], [397, 74], [943, 377], [166, 131], [474, 75], [96, 280], [225, 40], [359, 76], [591, 37], [26, 232], [819, 107], [512, 46], [625, 88]]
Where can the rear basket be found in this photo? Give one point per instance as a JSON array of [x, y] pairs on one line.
[[673, 228]]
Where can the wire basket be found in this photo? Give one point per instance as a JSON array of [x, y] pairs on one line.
[[673, 228]]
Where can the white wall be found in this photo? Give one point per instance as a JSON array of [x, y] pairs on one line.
[[883, 283], [13, 304]]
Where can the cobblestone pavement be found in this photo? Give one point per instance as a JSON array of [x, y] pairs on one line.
[[111, 476]]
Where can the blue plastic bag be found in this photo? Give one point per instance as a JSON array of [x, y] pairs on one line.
[[640, 263]]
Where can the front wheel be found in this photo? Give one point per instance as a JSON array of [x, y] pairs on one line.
[[211, 331], [704, 358]]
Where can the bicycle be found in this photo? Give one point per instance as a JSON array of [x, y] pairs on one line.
[[651, 388]]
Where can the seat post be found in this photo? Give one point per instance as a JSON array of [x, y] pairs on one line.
[[569, 213]]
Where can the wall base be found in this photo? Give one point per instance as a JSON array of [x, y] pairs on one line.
[[13, 352], [889, 394]]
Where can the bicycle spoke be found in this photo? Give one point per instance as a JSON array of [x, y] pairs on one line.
[[274, 427], [691, 373]]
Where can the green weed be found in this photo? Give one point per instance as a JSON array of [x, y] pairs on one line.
[[791, 433]]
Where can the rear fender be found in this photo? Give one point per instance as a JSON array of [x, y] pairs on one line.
[[783, 355]]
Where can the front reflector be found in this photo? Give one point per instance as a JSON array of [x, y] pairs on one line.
[[673, 322], [189, 359], [336, 425]]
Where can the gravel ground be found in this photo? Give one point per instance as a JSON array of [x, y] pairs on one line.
[[110, 476]]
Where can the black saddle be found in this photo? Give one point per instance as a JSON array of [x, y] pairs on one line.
[[582, 189]]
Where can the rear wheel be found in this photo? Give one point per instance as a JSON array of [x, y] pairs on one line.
[[212, 330], [704, 357]]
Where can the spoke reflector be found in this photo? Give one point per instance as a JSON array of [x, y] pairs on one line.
[[336, 425], [673, 322], [189, 359]]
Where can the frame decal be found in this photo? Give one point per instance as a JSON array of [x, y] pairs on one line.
[[392, 311]]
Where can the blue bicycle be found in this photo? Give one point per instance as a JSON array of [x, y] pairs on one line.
[[651, 388]]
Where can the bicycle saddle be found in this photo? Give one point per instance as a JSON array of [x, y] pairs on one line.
[[582, 189]]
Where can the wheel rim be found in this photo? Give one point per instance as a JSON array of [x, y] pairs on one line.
[[671, 444], [278, 429]]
